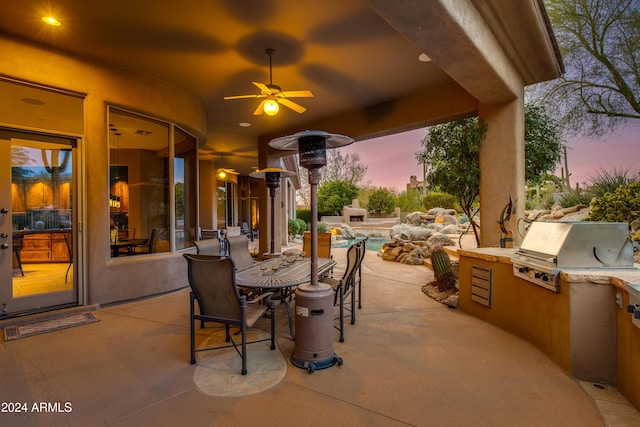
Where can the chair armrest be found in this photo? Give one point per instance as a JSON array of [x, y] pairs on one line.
[[266, 295]]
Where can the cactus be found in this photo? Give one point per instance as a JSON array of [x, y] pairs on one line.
[[442, 270]]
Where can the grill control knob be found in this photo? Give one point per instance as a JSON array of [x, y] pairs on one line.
[[545, 277], [631, 308], [636, 315], [523, 269], [537, 275]]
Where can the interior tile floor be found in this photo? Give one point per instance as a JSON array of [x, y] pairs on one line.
[[408, 361]]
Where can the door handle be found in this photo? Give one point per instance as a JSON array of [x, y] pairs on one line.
[[4, 210], [4, 235], [4, 246]]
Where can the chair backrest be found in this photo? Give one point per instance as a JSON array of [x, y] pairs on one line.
[[239, 250], [348, 277], [213, 281], [233, 231], [126, 234], [324, 244], [208, 234], [208, 246]]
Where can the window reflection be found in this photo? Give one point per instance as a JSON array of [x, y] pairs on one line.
[[139, 184], [185, 189]]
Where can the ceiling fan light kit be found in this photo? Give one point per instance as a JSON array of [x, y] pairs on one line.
[[271, 107], [275, 95]]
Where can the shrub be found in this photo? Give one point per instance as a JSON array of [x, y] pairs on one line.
[[302, 226], [618, 206], [381, 201], [607, 181], [576, 197], [440, 200], [304, 214], [322, 227], [293, 227]]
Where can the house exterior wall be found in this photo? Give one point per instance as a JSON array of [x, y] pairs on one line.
[[108, 280]]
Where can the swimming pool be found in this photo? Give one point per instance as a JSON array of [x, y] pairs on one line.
[[373, 243]]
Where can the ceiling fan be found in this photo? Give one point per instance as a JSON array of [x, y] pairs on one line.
[[274, 95], [222, 172]]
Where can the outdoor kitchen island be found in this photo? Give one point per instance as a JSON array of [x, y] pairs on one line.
[[584, 327]]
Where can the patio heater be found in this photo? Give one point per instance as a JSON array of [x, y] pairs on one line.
[[314, 301], [272, 178]]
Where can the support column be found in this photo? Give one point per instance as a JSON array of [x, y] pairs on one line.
[[502, 168]]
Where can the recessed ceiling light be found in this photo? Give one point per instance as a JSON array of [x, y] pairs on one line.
[[244, 124], [423, 58], [51, 21]]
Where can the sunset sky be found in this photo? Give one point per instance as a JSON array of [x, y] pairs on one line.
[[391, 160]]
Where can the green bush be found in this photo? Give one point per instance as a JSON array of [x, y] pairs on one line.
[[322, 227], [294, 227], [304, 214], [440, 200], [576, 197], [617, 206], [607, 181], [302, 226], [381, 201]]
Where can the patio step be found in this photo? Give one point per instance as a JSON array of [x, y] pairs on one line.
[[451, 250]]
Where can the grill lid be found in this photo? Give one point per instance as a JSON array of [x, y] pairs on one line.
[[578, 244]]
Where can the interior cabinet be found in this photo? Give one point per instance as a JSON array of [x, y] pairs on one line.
[[45, 247]]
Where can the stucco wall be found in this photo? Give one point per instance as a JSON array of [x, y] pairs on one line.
[[526, 310], [108, 280]]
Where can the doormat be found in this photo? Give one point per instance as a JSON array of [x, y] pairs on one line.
[[15, 332]]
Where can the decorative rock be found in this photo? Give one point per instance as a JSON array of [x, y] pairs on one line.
[[450, 229], [446, 219], [438, 240], [347, 231], [419, 233], [416, 218]]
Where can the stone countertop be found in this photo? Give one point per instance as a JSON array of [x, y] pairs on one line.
[[618, 277], [491, 254]]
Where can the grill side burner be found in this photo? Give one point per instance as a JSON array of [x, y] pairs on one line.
[[550, 247]]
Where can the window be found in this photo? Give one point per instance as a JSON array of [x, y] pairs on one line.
[[185, 189], [139, 201]]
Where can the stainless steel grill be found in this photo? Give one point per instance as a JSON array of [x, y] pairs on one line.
[[550, 247]]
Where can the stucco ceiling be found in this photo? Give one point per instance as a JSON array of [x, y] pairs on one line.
[[343, 51]]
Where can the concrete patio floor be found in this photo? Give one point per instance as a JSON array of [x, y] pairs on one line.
[[408, 361]]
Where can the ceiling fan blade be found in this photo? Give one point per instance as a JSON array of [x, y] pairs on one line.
[[227, 170], [242, 96], [295, 107], [297, 94], [263, 87], [259, 110]]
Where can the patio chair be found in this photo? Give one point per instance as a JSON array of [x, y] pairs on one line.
[[324, 244], [208, 246], [213, 285], [206, 234], [343, 289], [362, 250], [239, 250], [247, 231]]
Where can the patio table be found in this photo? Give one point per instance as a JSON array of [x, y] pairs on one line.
[[281, 276]]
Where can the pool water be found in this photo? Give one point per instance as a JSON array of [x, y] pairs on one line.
[[373, 243]]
